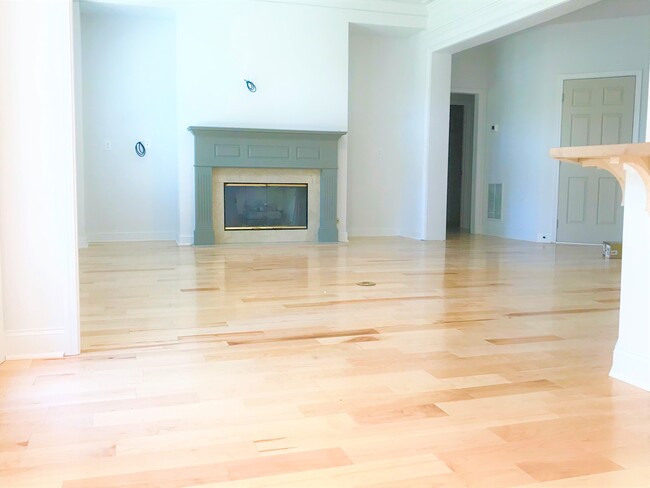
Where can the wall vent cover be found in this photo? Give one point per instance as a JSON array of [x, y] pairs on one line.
[[495, 191]]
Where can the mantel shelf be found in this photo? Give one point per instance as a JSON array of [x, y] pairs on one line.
[[611, 158]]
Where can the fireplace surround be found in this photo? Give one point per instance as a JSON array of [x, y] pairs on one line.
[[216, 147]]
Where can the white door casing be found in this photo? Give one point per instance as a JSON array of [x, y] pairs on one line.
[[594, 111], [3, 350]]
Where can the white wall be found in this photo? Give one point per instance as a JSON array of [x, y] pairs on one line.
[[38, 246], [296, 56], [385, 134], [521, 75], [129, 95]]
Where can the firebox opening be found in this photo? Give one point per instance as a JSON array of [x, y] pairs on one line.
[[265, 206]]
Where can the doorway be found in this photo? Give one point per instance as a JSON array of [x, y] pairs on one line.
[[594, 111], [460, 160]]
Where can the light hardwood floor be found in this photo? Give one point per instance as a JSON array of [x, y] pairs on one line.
[[476, 362]]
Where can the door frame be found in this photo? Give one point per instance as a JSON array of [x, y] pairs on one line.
[[3, 347], [638, 75], [478, 195]]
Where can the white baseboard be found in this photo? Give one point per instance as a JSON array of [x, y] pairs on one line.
[[82, 241], [373, 232], [184, 239], [131, 236], [412, 234], [35, 344], [631, 368], [343, 236], [19, 357]]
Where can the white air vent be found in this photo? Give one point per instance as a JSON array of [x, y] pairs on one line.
[[494, 200]]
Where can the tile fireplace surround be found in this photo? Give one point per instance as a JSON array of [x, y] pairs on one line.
[[216, 147]]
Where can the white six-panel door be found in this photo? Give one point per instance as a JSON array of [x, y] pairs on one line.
[[594, 111]]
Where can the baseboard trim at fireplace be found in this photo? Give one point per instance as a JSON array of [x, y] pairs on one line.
[[131, 236], [184, 240]]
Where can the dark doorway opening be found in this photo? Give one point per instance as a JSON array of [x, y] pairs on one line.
[[461, 155]]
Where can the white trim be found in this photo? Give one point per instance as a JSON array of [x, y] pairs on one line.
[[19, 357], [411, 11], [391, 7], [72, 307], [37, 343], [3, 349], [131, 236], [374, 232], [343, 236], [424, 188], [184, 239], [578, 244], [453, 27], [82, 241], [638, 87], [631, 368], [414, 234]]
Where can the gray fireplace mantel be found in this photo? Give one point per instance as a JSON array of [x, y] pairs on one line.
[[216, 147]]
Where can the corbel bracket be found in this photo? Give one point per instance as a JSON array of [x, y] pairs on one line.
[[611, 158]]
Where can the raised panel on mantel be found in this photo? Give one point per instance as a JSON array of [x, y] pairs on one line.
[[279, 152], [307, 152], [227, 151]]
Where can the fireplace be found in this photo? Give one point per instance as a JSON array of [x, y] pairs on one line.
[[251, 210], [264, 159], [264, 206]]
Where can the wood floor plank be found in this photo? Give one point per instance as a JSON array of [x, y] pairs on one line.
[[474, 362], [163, 478], [523, 340]]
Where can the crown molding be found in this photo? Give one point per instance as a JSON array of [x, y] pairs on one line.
[[415, 8]]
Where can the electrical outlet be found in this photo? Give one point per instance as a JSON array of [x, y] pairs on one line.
[[107, 145]]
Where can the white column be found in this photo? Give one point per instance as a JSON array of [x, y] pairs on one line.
[[38, 228], [632, 353], [435, 201]]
